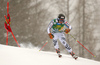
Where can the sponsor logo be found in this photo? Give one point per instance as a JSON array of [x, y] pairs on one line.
[[62, 17]]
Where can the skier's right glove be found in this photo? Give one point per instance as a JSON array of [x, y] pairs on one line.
[[51, 35], [67, 30]]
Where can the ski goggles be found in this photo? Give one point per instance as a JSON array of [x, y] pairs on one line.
[[61, 20]]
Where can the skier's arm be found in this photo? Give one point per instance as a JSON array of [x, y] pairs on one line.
[[68, 27], [49, 30], [50, 26]]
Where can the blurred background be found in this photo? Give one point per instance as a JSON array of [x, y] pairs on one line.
[[30, 19]]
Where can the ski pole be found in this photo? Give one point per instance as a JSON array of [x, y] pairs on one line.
[[44, 45], [15, 39], [81, 44]]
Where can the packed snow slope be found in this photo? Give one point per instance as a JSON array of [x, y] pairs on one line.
[[22, 56]]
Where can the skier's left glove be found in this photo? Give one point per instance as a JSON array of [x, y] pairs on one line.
[[51, 36], [67, 30]]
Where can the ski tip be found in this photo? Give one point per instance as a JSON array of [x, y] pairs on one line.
[[94, 56]]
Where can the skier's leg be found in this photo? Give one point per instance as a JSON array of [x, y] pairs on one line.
[[55, 42], [56, 46], [63, 41]]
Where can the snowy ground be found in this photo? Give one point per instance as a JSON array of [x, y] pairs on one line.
[[21, 56]]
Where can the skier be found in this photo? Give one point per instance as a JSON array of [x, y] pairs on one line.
[[55, 31]]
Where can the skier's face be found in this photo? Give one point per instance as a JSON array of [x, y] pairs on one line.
[[61, 20]]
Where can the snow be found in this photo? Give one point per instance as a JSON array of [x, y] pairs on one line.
[[10, 55]]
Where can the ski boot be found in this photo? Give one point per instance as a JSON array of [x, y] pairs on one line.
[[58, 52], [73, 55]]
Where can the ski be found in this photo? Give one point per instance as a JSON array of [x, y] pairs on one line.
[[75, 57], [59, 55]]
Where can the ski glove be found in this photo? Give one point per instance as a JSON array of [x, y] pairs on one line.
[[51, 35], [67, 30]]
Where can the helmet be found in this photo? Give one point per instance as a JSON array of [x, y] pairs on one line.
[[61, 16]]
